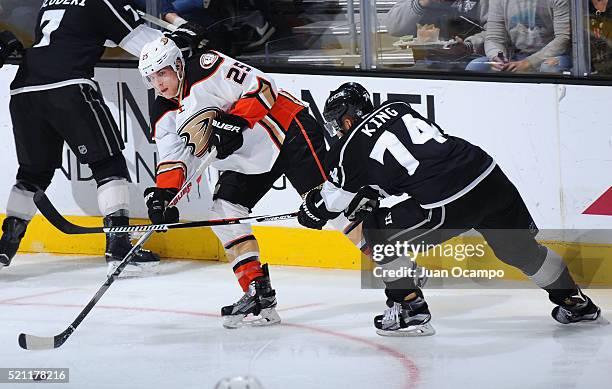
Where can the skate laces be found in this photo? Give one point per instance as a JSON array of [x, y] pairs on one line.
[[576, 302], [250, 292], [391, 315]]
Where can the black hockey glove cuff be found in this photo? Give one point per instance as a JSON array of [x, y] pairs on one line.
[[8, 45], [188, 37], [313, 213], [227, 134], [363, 205], [157, 200]]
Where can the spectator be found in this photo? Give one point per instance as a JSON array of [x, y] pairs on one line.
[[526, 36], [600, 27], [463, 20]]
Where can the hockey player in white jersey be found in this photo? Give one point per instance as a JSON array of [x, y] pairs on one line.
[[259, 133], [454, 186]]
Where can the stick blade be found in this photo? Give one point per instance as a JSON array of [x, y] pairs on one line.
[[49, 211], [31, 342]]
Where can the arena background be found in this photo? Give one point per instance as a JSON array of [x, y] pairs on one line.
[[554, 141]]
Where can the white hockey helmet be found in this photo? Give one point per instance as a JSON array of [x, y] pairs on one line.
[[158, 54]]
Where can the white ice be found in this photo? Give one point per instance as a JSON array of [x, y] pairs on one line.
[[165, 332]]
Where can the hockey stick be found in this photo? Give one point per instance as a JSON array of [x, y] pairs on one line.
[[54, 217], [31, 342], [157, 21]]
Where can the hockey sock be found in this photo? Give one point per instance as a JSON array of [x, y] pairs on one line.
[[247, 273], [21, 203], [244, 253], [113, 196]]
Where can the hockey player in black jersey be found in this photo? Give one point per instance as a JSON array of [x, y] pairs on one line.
[[55, 99], [454, 186]]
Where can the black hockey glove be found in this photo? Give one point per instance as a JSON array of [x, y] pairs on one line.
[[313, 213], [188, 37], [157, 200], [363, 205], [8, 45], [227, 133]]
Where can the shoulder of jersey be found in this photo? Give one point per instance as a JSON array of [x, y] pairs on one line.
[[161, 107], [204, 65], [390, 111], [400, 106]]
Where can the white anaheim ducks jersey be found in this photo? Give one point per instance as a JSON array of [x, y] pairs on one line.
[[182, 127]]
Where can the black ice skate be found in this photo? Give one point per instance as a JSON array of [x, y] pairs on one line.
[[256, 307], [576, 308], [144, 262], [409, 318], [13, 229]]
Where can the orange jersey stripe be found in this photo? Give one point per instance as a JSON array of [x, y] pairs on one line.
[[284, 110], [170, 175], [255, 105], [312, 150]]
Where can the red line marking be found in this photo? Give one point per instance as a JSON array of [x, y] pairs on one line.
[[409, 366], [298, 307], [117, 307], [37, 295]]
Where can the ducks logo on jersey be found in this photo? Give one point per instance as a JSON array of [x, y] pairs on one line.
[[197, 130]]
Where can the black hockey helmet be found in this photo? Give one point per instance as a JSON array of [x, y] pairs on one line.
[[350, 99]]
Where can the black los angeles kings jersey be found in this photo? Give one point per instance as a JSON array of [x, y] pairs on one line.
[[395, 150], [70, 38]]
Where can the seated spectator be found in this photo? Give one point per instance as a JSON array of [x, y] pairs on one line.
[[526, 36], [600, 27], [463, 20]]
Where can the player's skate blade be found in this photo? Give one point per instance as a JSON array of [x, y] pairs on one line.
[[417, 330], [266, 317]]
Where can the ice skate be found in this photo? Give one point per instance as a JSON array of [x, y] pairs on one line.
[[256, 308], [576, 308], [143, 263], [13, 229], [409, 318]]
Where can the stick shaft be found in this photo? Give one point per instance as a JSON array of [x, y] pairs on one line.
[[157, 21]]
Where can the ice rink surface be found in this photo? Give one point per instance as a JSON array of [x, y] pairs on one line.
[[165, 332]]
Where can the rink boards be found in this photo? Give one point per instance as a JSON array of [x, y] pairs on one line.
[[554, 141]]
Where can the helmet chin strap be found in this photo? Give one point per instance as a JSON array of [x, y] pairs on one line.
[[181, 77]]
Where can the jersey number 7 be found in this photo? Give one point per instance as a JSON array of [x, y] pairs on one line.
[[49, 22], [420, 132]]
